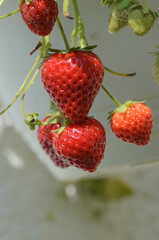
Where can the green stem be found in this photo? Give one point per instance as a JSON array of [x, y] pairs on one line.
[[119, 74], [63, 34], [66, 4], [1, 1], [23, 85], [79, 27], [26, 90], [109, 94], [10, 14]]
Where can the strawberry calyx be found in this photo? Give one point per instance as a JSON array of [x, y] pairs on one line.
[[32, 120], [64, 51], [107, 2], [54, 118], [121, 3], [28, 1], [63, 126], [144, 8], [122, 108]]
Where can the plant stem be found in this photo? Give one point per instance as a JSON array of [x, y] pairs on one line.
[[109, 94], [66, 4], [79, 27], [119, 74], [1, 1], [63, 34], [26, 90], [23, 85], [10, 14]]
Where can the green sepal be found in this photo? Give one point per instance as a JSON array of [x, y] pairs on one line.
[[145, 9], [122, 108], [85, 49], [53, 107], [127, 104], [28, 1], [62, 128], [54, 118], [107, 2], [156, 53], [126, 4]]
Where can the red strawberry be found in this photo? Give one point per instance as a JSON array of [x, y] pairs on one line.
[[39, 15], [81, 144], [46, 138], [73, 80], [134, 124]]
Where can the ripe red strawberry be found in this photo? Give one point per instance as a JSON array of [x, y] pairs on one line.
[[46, 138], [81, 144], [134, 124], [39, 15], [73, 80]]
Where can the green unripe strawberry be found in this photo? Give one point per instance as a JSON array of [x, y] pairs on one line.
[[155, 69], [118, 18], [140, 22]]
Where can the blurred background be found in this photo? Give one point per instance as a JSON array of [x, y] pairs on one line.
[[40, 201]]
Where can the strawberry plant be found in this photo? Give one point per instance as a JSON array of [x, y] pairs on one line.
[[73, 77]]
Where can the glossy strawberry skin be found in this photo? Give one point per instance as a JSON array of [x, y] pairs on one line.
[[72, 81], [39, 15], [46, 138], [82, 145], [134, 125]]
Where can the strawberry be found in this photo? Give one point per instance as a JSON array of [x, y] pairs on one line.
[[46, 138], [133, 122], [73, 80], [81, 144], [156, 69], [140, 22], [39, 15], [118, 18]]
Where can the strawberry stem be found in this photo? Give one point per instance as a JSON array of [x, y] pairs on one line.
[[26, 90], [43, 52], [110, 95], [119, 74], [66, 4], [79, 27], [63, 34], [10, 14], [23, 85], [1, 1]]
